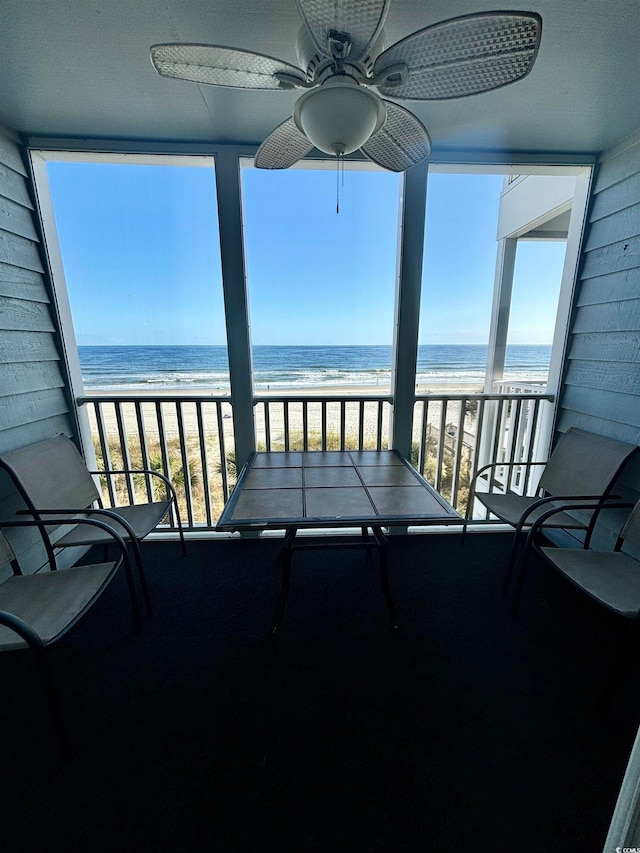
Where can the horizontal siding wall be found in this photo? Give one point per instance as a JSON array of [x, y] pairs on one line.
[[33, 402], [601, 388]]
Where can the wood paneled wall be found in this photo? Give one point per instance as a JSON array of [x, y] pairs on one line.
[[601, 388], [33, 401]]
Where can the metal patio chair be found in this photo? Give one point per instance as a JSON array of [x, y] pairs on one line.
[[582, 467], [38, 608], [53, 479], [611, 578]]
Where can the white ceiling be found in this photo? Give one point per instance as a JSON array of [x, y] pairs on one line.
[[81, 68]]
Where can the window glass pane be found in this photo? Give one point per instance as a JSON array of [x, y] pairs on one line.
[[141, 259], [467, 215], [534, 306], [321, 283], [140, 252], [457, 280]]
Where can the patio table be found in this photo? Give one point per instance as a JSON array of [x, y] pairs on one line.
[[366, 489]]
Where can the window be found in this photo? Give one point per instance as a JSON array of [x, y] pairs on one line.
[[142, 273], [321, 284], [136, 264]]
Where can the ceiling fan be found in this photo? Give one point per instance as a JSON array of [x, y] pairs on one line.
[[342, 57]]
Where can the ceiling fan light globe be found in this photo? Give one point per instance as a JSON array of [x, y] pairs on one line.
[[339, 117]]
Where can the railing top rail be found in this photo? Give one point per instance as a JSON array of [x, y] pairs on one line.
[[463, 396], [324, 398], [298, 398], [152, 398]]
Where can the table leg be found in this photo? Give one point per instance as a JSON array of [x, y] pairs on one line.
[[384, 574], [286, 554]]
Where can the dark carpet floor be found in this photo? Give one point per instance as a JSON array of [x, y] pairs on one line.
[[466, 729]]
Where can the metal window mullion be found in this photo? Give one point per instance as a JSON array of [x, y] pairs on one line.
[[186, 476], [204, 463]]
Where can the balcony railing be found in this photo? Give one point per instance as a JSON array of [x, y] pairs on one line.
[[191, 440]]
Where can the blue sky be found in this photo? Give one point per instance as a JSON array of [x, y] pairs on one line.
[[141, 257]]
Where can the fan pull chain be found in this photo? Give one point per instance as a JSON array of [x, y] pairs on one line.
[[339, 179]]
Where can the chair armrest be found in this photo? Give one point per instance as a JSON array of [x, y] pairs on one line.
[[163, 477], [504, 465], [480, 471], [76, 511], [598, 501], [93, 522], [21, 628], [538, 523]]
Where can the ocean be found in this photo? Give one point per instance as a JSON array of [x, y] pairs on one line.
[[204, 368]]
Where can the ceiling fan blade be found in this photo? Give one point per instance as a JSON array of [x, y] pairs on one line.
[[283, 147], [221, 66], [401, 142], [462, 56], [361, 20]]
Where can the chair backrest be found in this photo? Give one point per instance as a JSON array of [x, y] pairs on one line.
[[51, 475], [583, 463]]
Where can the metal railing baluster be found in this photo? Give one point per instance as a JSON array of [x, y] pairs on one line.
[[164, 453], [457, 452], [267, 425], [422, 453], [305, 425], [124, 452], [358, 421], [323, 424], [186, 473], [144, 448], [203, 462], [223, 453], [286, 425], [104, 447]]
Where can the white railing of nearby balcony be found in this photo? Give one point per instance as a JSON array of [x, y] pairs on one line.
[[190, 439]]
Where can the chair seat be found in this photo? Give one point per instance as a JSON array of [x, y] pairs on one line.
[[610, 577], [143, 518], [510, 507], [51, 602]]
